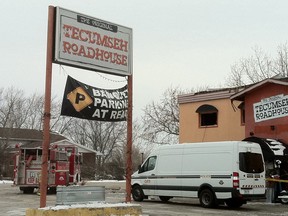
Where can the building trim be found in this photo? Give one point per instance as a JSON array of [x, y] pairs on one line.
[[207, 95], [240, 95], [81, 148]]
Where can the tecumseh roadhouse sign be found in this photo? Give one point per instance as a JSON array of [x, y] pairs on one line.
[[271, 108], [89, 43]]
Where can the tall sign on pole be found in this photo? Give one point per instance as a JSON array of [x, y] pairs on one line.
[[89, 43], [47, 108]]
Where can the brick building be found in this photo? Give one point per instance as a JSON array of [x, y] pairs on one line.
[[266, 109], [258, 110]]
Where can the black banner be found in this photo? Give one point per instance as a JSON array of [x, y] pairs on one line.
[[88, 102]]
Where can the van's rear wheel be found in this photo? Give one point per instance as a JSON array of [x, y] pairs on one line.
[[137, 193], [165, 198], [207, 198], [284, 201]]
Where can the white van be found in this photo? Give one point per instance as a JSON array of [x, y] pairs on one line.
[[215, 172]]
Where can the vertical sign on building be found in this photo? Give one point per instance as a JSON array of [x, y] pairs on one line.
[[270, 108]]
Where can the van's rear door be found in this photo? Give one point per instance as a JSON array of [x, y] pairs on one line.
[[251, 172]]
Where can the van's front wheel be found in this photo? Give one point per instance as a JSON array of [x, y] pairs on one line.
[[284, 201], [137, 193], [207, 198]]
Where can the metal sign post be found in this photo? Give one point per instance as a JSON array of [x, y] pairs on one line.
[[47, 108], [129, 140]]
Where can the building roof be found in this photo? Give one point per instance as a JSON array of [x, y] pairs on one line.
[[236, 93], [31, 138], [81, 148], [241, 95], [27, 135], [213, 94], [65, 142]]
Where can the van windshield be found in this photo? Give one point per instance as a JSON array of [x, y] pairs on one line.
[[251, 162]]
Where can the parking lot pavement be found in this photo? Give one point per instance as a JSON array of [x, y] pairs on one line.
[[14, 203], [187, 206]]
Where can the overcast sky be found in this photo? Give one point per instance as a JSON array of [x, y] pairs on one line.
[[185, 43]]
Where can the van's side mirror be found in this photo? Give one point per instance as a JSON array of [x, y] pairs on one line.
[[139, 168]]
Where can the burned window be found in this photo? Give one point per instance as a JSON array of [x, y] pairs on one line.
[[208, 119], [208, 115]]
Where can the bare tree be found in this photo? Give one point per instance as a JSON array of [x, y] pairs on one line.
[[258, 67], [281, 60], [161, 120], [116, 165], [33, 112], [59, 123], [20, 111], [104, 137], [12, 102]]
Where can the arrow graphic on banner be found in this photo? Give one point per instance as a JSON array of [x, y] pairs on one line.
[[79, 99]]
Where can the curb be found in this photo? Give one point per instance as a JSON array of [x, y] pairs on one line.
[[111, 209]]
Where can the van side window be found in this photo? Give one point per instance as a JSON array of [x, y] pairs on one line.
[[149, 164]]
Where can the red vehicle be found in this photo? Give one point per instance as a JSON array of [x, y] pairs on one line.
[[63, 167]]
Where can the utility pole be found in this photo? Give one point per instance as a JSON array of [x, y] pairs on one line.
[[47, 108]]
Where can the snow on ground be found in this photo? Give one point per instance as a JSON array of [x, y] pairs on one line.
[[6, 182], [90, 205], [92, 181]]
